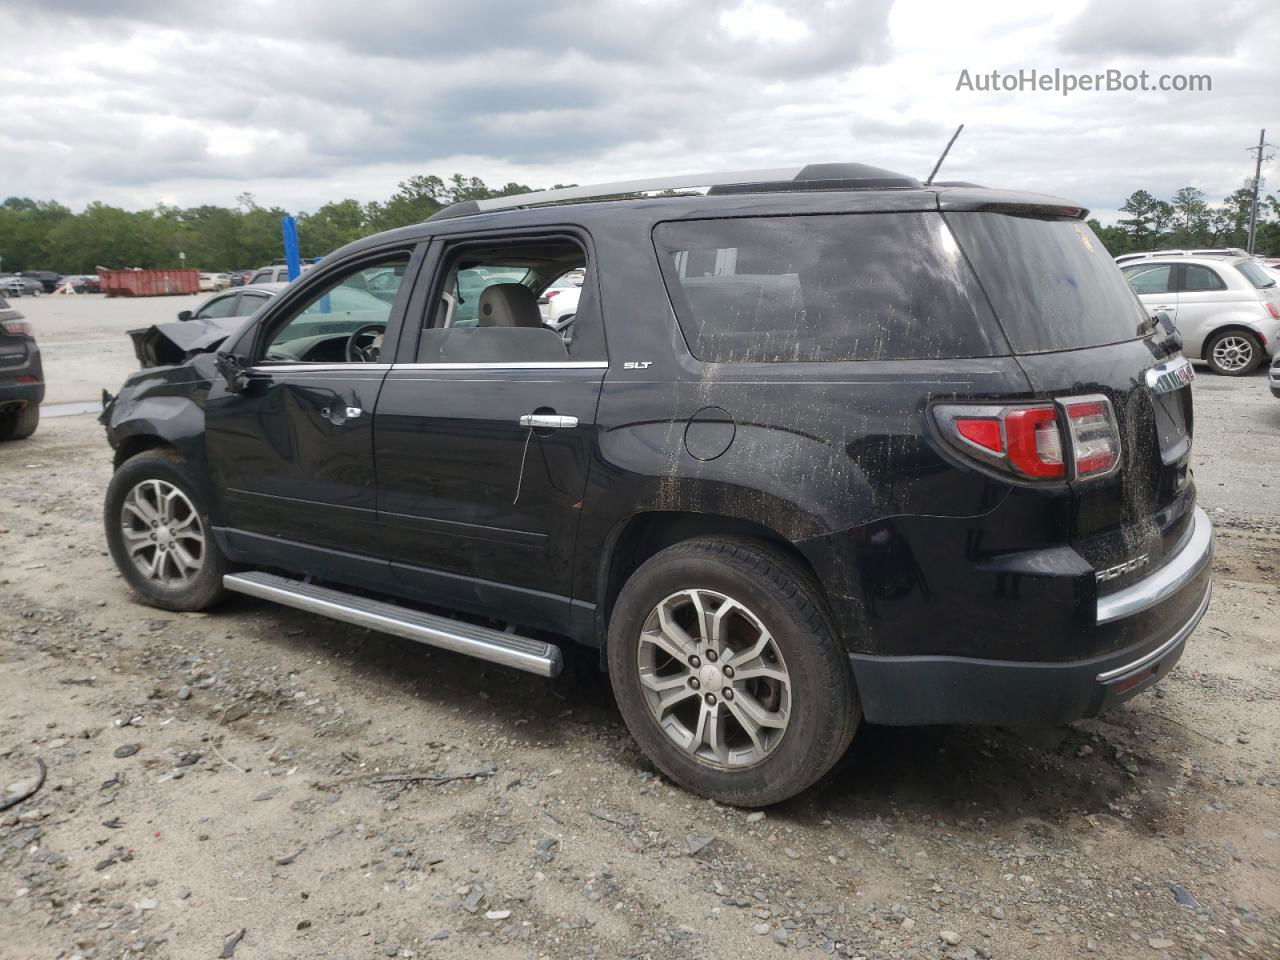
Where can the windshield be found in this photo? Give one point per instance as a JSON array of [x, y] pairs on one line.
[[1051, 281]]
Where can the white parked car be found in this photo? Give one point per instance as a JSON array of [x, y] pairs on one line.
[[559, 301], [1218, 252], [1226, 308], [214, 281]]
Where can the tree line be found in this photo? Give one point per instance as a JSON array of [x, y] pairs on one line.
[[46, 235], [1187, 220]]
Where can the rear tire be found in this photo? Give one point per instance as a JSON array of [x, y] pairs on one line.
[[759, 711], [20, 424], [1233, 353], [159, 534]]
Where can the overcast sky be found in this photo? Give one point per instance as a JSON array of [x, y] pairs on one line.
[[137, 102]]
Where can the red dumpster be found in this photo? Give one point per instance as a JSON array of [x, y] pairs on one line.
[[148, 283]]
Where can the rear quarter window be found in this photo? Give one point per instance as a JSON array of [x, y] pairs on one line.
[[1051, 281], [1256, 275], [883, 286]]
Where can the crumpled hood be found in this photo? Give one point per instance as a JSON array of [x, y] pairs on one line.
[[166, 344]]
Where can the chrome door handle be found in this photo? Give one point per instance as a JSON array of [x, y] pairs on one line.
[[547, 421], [342, 415]]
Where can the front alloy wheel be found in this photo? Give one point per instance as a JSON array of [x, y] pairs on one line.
[[163, 534], [714, 679]]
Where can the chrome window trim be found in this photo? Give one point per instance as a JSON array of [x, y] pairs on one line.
[[513, 365], [1185, 566], [1169, 645], [319, 368]]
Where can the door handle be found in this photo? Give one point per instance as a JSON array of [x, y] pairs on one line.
[[1164, 306], [547, 421], [341, 415]]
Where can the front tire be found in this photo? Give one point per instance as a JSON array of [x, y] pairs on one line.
[[728, 672], [158, 531], [1233, 353], [20, 424]]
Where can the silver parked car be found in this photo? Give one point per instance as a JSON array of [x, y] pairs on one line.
[[1226, 308]]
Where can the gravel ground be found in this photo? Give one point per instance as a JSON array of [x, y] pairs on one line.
[[318, 790]]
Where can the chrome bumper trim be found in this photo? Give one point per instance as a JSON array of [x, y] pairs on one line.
[[1171, 644], [1185, 566]]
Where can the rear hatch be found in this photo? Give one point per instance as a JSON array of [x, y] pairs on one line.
[[1077, 329]]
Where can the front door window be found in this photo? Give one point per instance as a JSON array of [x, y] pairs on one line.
[[342, 322]]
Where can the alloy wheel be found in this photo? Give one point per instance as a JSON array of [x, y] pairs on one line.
[[163, 533], [714, 678], [1233, 353]]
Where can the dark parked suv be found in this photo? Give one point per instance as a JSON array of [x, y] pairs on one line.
[[21, 376], [819, 446]]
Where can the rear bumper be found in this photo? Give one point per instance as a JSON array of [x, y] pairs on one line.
[[1273, 376], [14, 394], [913, 690]]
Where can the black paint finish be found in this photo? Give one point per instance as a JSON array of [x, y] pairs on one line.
[[437, 494]]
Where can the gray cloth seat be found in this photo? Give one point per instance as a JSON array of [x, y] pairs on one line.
[[509, 305]]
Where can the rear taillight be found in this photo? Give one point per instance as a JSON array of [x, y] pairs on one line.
[[550, 293], [1095, 440], [19, 328], [1075, 438], [1271, 309]]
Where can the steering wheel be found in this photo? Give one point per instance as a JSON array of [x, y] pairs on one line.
[[369, 352]]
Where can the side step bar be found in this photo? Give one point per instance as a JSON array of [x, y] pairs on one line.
[[533, 656]]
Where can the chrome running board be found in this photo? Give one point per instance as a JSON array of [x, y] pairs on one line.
[[532, 656]]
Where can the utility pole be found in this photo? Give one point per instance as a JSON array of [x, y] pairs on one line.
[[1257, 183]]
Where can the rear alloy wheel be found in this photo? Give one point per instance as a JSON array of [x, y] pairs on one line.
[[728, 672], [19, 424], [1233, 353], [159, 534], [714, 678]]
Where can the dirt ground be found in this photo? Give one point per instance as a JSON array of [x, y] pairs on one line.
[[216, 773]]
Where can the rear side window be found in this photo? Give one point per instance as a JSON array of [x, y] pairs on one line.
[[884, 286], [1255, 274], [1196, 277], [1051, 281]]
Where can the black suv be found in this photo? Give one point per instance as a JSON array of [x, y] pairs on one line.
[[817, 447], [21, 376]]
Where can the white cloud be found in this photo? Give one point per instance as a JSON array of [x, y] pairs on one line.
[[304, 102]]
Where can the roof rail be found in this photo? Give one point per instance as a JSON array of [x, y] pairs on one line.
[[815, 176]]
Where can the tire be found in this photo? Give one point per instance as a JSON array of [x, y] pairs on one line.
[[133, 503], [20, 424], [761, 588], [1233, 353]]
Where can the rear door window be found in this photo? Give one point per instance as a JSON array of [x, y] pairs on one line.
[[885, 286], [1051, 281], [1197, 278]]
